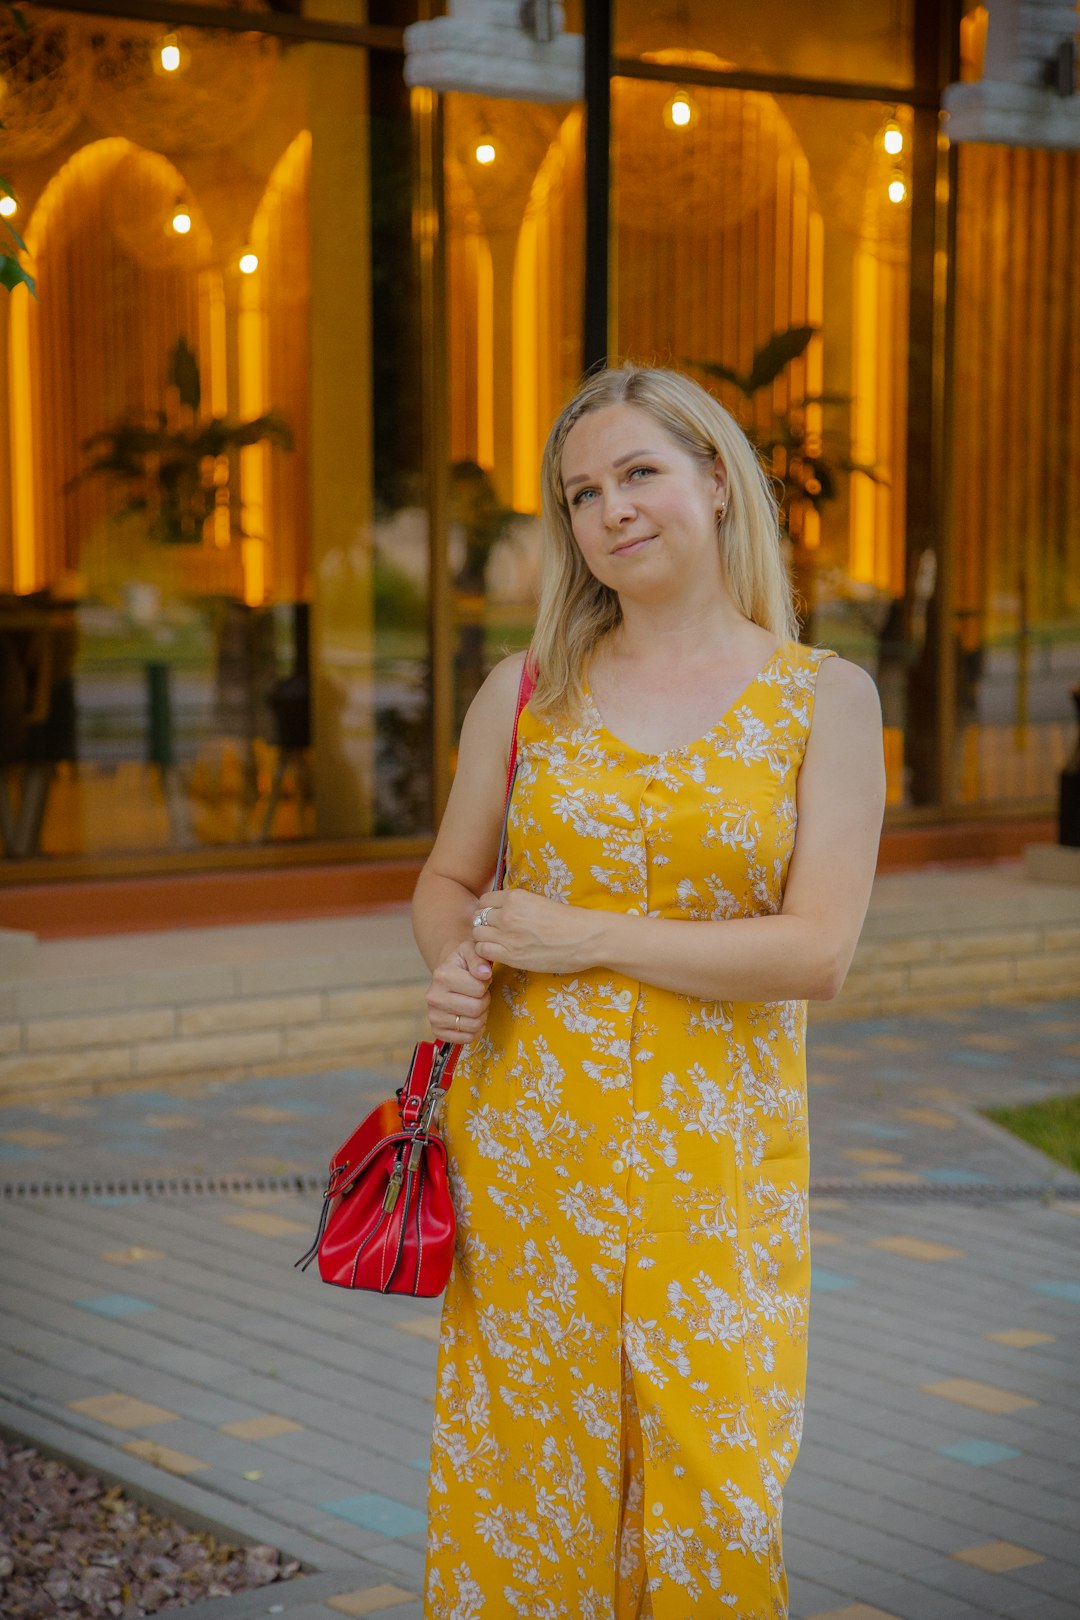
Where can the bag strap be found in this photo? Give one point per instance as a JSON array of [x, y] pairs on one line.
[[448, 1052]]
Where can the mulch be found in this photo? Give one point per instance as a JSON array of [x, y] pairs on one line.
[[70, 1545]]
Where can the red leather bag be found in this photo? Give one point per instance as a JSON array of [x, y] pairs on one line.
[[387, 1221]]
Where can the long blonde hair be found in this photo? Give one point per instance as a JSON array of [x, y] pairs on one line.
[[576, 611]]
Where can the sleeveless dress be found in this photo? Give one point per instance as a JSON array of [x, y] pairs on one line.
[[623, 1349]]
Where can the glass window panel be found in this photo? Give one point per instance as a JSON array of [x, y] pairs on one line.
[[775, 220], [514, 206], [865, 41], [1016, 479], [213, 540]]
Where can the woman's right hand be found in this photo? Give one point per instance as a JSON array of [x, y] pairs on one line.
[[459, 995]]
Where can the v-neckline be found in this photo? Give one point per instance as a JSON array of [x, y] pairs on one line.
[[696, 742]]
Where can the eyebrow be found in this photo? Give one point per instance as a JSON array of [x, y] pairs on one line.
[[583, 478]]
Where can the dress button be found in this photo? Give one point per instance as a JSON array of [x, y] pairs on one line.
[[618, 1166]]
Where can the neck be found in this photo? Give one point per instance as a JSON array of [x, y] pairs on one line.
[[679, 632]]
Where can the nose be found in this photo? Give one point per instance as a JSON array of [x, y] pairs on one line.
[[618, 506]]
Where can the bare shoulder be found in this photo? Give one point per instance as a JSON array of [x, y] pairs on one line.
[[845, 694], [491, 712]]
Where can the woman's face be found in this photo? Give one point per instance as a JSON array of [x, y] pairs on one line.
[[642, 509]]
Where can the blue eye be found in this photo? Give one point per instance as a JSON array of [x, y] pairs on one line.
[[635, 470], [577, 499]]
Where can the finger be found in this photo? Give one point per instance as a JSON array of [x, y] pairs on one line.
[[479, 970]]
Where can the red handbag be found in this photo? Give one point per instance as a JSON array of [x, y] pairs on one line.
[[387, 1221]]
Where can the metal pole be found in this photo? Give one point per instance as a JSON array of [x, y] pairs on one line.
[[597, 179]]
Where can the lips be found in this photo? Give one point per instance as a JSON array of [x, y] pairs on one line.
[[627, 546]]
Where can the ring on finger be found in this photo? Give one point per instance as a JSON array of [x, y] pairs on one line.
[[457, 1021], [481, 918]]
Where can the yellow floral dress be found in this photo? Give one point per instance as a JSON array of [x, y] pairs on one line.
[[623, 1350]]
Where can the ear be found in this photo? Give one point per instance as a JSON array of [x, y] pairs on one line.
[[720, 482]]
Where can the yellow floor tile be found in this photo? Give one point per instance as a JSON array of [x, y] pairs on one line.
[[917, 1248], [424, 1327], [260, 1428], [65, 1110], [170, 1122], [999, 1556], [833, 1054], [1071, 1051], [266, 1114], [257, 1199], [993, 1043], [983, 1397], [907, 1177], [1020, 1338], [174, 1462], [896, 1043], [940, 1093], [872, 1156], [265, 1224], [131, 1257], [371, 1600], [268, 1165], [123, 1411], [31, 1138], [855, 1611], [824, 1240], [936, 1118], [1065, 1207], [829, 1203], [822, 1080]]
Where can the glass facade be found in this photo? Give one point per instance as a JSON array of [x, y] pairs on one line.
[[215, 551], [270, 434]]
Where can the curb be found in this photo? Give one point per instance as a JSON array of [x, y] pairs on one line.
[[193, 1506]]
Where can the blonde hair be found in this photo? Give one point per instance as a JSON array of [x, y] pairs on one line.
[[576, 611]]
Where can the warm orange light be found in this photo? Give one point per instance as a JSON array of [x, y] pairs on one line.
[[249, 263], [181, 222], [8, 207], [681, 111], [485, 153], [897, 190], [171, 55], [893, 140]]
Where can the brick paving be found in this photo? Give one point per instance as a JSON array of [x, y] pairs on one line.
[[166, 1341]]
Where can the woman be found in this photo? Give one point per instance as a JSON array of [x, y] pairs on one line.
[[692, 840]]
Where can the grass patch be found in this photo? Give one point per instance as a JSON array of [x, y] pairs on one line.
[[1052, 1126]]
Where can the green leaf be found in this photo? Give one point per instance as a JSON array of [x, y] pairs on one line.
[[770, 360], [13, 275], [713, 369]]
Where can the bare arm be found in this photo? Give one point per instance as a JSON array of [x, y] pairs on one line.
[[462, 861], [805, 950]]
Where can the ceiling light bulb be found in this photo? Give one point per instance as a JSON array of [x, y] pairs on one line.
[[485, 153], [249, 263], [897, 190], [8, 207], [893, 140], [680, 111], [172, 56], [181, 222]]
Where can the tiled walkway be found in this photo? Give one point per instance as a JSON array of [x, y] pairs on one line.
[[166, 1340]]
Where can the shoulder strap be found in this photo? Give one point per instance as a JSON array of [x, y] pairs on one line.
[[448, 1052], [525, 692]]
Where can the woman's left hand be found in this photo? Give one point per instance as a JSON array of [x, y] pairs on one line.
[[526, 930]]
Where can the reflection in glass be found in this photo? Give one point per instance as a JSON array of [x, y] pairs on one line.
[[773, 264], [1017, 476], [514, 245], [211, 475], [868, 41]]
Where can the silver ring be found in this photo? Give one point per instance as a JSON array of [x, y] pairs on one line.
[[481, 918], [457, 1021]]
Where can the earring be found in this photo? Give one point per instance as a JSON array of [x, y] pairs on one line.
[[720, 514]]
